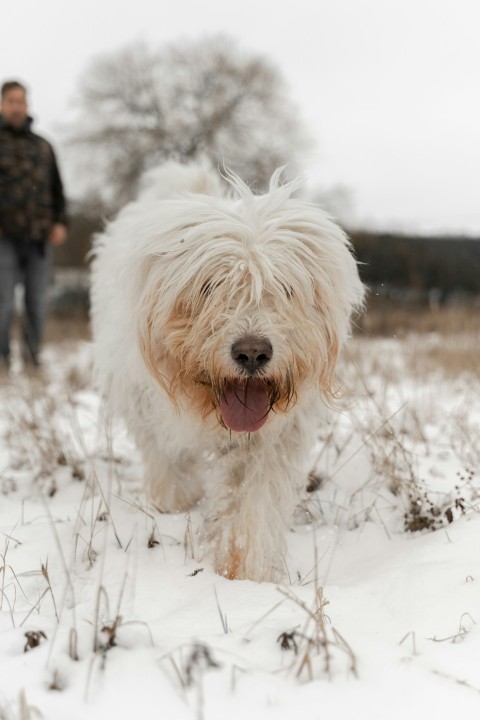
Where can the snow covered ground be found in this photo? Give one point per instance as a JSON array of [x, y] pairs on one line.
[[109, 609]]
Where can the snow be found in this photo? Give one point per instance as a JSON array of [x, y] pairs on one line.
[[375, 620]]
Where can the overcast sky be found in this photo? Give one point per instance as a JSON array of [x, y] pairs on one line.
[[389, 88]]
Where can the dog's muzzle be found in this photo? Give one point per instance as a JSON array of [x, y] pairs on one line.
[[244, 403], [251, 353]]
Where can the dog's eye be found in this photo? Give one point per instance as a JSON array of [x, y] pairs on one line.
[[209, 287], [288, 291]]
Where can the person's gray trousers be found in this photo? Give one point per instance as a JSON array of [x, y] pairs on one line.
[[29, 263]]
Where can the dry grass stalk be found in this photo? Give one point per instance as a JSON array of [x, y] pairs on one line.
[[317, 638], [190, 671]]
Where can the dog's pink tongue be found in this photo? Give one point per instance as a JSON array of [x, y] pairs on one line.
[[244, 406]]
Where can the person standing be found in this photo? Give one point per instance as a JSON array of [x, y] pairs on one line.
[[32, 220]]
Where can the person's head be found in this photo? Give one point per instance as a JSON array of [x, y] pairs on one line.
[[13, 106]]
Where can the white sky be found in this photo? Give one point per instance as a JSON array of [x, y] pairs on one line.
[[390, 88]]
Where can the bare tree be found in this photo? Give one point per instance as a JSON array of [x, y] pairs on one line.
[[139, 106], [339, 201]]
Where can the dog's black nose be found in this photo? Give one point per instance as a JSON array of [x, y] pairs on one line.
[[252, 353]]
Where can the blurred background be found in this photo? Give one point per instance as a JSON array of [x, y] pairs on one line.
[[374, 102]]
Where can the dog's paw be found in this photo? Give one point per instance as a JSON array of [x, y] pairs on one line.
[[244, 564], [231, 565]]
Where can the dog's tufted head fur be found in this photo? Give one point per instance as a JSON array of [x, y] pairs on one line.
[[244, 301]]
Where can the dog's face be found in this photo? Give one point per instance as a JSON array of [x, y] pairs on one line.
[[245, 306]]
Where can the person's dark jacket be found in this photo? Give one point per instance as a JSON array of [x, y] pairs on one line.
[[31, 191]]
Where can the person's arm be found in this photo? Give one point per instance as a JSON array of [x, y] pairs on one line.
[[58, 232]]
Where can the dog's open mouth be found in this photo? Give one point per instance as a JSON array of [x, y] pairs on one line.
[[245, 405]]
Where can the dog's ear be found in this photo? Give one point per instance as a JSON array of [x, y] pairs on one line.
[[331, 321], [150, 342], [327, 374], [155, 320]]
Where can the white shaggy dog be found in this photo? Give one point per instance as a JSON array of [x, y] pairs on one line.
[[218, 320]]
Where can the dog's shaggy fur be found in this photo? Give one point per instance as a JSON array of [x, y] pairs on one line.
[[218, 319]]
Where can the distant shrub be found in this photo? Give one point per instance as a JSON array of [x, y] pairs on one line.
[[428, 267]]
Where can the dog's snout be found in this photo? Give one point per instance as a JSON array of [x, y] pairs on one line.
[[252, 353]]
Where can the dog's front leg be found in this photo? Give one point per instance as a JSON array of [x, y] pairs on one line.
[[250, 512], [173, 481]]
